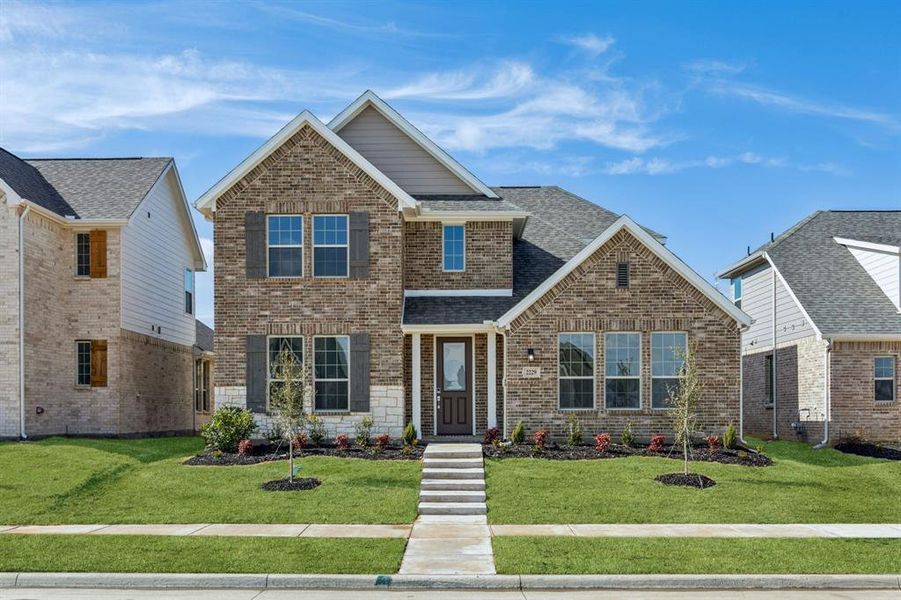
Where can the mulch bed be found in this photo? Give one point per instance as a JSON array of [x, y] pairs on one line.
[[868, 449], [691, 480], [266, 453], [744, 457], [298, 485]]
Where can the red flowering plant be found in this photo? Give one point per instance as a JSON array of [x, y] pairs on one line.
[[342, 442], [491, 436], [713, 443], [656, 444], [245, 447], [382, 441], [300, 441], [602, 442], [539, 440]]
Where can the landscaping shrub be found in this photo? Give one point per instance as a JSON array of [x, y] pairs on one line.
[[245, 447], [317, 430], [363, 432], [539, 440], [713, 443], [382, 441], [574, 432], [518, 435], [300, 441], [602, 442], [656, 444], [342, 441], [730, 437], [409, 436], [228, 426], [491, 435], [627, 438]]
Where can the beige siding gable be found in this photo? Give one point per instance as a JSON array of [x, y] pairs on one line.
[[399, 157]]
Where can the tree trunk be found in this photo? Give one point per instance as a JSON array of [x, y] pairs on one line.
[[290, 462], [685, 450]]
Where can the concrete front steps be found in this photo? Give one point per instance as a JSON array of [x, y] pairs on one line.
[[453, 480]]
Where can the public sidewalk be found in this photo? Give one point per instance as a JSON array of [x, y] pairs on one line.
[[830, 530]]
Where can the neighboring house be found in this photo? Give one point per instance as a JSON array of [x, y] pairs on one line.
[[827, 292], [204, 401], [97, 258], [413, 292]]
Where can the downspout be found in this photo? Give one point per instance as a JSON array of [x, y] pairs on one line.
[[22, 322], [741, 388], [774, 369], [504, 385], [827, 393]]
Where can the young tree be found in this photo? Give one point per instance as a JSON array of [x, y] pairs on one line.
[[684, 400], [287, 398]]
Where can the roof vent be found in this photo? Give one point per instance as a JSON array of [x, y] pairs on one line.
[[622, 275]]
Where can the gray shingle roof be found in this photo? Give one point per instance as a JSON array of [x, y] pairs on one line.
[[204, 337], [101, 188], [28, 183], [559, 225], [831, 285], [461, 202]]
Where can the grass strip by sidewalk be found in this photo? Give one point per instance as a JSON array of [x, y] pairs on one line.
[[571, 556], [158, 554]]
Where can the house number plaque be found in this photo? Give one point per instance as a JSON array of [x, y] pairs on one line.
[[531, 372]]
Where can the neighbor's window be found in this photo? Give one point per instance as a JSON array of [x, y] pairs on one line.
[[736, 291], [284, 234], [768, 379], [201, 385], [576, 370], [884, 367], [189, 291], [331, 372], [83, 362], [622, 370], [291, 344], [454, 248], [668, 351], [330, 255], [83, 254]]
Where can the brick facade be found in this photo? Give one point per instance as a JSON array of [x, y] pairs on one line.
[[854, 409], [587, 300], [9, 321], [489, 257]]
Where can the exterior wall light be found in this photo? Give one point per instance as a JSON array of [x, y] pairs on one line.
[[531, 352]]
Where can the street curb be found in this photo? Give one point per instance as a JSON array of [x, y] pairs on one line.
[[175, 581]]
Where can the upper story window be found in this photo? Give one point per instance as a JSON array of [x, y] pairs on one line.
[[331, 372], [736, 291], [284, 235], [576, 370], [622, 370], [83, 254], [454, 248], [330, 252], [884, 371], [189, 291], [668, 350]]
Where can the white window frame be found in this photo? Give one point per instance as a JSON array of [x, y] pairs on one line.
[[315, 245], [347, 379], [639, 376], [653, 377], [736, 300], [594, 382], [269, 245], [190, 273], [77, 235], [202, 385], [444, 227], [269, 379], [892, 378], [78, 344]]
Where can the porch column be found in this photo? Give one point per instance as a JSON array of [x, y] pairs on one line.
[[417, 383], [492, 379]]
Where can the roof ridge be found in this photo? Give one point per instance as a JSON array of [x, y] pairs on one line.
[[73, 158], [789, 232]]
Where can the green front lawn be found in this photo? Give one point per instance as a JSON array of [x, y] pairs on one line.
[[150, 554], [62, 481], [560, 555], [802, 486]]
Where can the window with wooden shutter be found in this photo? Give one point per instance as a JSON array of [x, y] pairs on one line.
[[98, 363], [98, 253]]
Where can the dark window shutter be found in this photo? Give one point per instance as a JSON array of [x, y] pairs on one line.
[[359, 372], [98, 253], [359, 244], [256, 373], [255, 244], [98, 363]]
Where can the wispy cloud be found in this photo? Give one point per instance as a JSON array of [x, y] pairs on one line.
[[591, 44], [663, 166], [389, 28], [714, 67], [508, 79]]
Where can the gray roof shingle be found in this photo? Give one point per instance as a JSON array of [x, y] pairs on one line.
[[559, 225], [28, 183], [831, 285], [204, 337]]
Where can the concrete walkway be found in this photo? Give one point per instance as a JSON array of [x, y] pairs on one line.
[[473, 527]]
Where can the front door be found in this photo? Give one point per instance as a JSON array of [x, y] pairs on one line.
[[453, 392]]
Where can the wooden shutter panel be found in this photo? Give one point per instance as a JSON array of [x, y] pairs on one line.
[[255, 244], [358, 227], [98, 361], [359, 372], [256, 373], [98, 253]]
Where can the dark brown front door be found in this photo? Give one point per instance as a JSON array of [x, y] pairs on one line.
[[454, 386]]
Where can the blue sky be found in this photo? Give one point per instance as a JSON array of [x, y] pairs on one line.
[[714, 123]]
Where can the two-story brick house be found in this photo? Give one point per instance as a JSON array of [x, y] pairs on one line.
[[413, 292], [97, 327]]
